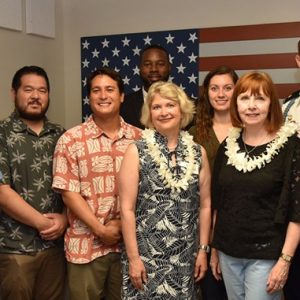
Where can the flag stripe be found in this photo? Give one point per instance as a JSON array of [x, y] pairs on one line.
[[266, 47], [249, 32], [249, 62], [285, 45]]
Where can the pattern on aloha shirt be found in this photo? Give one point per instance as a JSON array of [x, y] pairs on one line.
[[26, 165], [86, 161]]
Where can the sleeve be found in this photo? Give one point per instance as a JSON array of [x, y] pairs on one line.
[[294, 215], [215, 184], [65, 164], [5, 172]]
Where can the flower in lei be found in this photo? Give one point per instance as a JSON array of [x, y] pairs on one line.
[[242, 162], [175, 183]]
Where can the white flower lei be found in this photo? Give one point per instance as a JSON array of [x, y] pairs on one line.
[[243, 162], [163, 169]]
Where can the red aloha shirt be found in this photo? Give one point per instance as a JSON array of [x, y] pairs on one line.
[[86, 161]]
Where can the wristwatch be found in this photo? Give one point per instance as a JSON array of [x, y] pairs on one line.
[[286, 257], [204, 248]]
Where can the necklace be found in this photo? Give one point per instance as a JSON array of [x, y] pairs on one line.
[[180, 181], [254, 147], [241, 160]]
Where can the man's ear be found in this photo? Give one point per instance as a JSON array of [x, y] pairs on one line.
[[12, 94], [297, 58], [122, 97]]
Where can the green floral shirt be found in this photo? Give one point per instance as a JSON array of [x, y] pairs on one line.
[[26, 165]]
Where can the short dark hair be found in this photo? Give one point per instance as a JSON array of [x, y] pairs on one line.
[[299, 47], [16, 81], [108, 72], [156, 47]]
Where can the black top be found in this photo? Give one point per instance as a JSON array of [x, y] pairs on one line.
[[254, 208], [131, 108]]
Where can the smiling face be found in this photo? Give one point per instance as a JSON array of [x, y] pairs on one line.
[[154, 66], [32, 97], [220, 91], [253, 108], [105, 97], [165, 115]]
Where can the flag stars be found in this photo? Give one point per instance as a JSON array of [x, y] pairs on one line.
[[126, 41], [117, 70], [136, 88], [193, 58], [85, 63], [181, 48], [169, 39], [86, 100], [193, 37], [84, 81], [85, 45], [147, 40], [136, 70], [192, 78], [96, 53], [105, 62], [181, 68], [126, 80], [105, 43], [136, 51], [171, 58], [116, 52], [126, 61]]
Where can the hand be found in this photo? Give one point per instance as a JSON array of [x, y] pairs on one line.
[[111, 233], [278, 276], [59, 225], [200, 265], [215, 264], [137, 273]]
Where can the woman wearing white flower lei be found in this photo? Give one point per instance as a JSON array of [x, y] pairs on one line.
[[171, 154], [254, 169]]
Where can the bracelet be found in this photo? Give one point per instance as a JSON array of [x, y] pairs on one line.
[[286, 257], [204, 248]]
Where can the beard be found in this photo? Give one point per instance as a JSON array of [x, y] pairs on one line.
[[28, 115]]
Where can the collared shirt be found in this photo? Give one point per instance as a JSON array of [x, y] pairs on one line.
[[291, 107], [26, 165], [87, 161]]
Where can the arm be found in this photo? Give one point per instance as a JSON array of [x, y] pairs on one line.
[[128, 188], [109, 235], [18, 209], [279, 272], [204, 216]]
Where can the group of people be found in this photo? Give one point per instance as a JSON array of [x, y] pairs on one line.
[[131, 205]]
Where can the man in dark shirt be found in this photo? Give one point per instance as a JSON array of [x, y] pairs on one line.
[[32, 221], [154, 66], [291, 108]]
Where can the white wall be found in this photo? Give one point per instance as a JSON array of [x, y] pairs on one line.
[[77, 18], [18, 49]]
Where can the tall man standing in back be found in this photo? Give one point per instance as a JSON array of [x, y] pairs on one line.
[[154, 66], [87, 161], [291, 108], [32, 222]]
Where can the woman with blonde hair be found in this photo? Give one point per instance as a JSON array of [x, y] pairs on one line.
[[165, 202]]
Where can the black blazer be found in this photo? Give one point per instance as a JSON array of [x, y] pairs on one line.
[[131, 108]]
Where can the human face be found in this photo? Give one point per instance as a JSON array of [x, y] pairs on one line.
[[32, 97], [253, 109], [165, 115], [220, 91], [154, 67], [105, 97]]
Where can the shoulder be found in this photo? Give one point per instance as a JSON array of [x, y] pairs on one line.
[[293, 96], [56, 127], [131, 131]]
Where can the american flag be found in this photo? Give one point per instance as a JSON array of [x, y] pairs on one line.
[[121, 52], [268, 47], [194, 52]]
